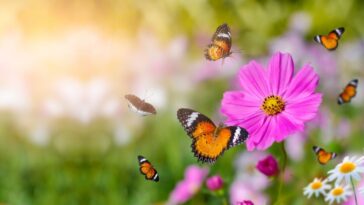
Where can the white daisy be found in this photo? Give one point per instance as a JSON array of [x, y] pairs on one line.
[[338, 193], [316, 187], [349, 168]]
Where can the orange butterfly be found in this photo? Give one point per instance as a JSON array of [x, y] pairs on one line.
[[348, 93], [220, 44], [147, 169], [323, 157], [208, 141], [330, 41]]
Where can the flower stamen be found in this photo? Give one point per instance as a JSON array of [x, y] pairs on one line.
[[273, 105], [316, 185], [347, 167], [337, 191]]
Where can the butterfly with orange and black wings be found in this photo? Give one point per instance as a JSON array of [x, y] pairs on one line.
[[209, 141], [323, 157], [220, 44], [349, 92], [146, 168], [330, 41]]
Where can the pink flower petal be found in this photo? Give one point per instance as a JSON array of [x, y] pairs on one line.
[[236, 104], [253, 79], [304, 108], [280, 72], [262, 138], [286, 127], [303, 84]]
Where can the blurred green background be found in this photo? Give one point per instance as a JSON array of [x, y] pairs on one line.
[[67, 136]]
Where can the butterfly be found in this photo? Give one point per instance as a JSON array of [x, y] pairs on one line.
[[330, 41], [220, 44], [147, 169], [140, 106], [323, 157], [208, 141], [348, 93]]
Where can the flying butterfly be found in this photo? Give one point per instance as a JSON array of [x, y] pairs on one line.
[[220, 44], [348, 93], [208, 140], [140, 106], [147, 169], [323, 157], [330, 41]]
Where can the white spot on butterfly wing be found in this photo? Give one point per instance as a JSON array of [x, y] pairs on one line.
[[192, 118], [223, 35], [142, 160], [237, 134]]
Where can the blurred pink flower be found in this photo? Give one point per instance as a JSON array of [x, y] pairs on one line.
[[189, 186], [214, 183], [268, 166], [295, 145], [241, 191], [245, 165], [273, 104]]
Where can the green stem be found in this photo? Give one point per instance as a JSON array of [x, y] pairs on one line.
[[352, 184], [281, 177]]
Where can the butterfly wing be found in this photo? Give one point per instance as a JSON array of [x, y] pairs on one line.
[[349, 92], [195, 123], [222, 34], [214, 52], [146, 168]]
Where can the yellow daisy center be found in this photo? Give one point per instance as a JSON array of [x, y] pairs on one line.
[[347, 167], [273, 105], [337, 191], [316, 185]]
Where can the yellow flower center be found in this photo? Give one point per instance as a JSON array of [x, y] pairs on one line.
[[273, 105], [337, 191], [347, 167], [316, 185]]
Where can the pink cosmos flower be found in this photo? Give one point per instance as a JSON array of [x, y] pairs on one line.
[[273, 103], [185, 189]]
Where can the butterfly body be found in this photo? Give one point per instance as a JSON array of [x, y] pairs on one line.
[[146, 168], [208, 140], [139, 106], [330, 41], [220, 44], [349, 92], [323, 157]]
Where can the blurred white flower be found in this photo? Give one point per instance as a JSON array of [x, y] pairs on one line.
[[316, 187], [339, 194], [82, 101]]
